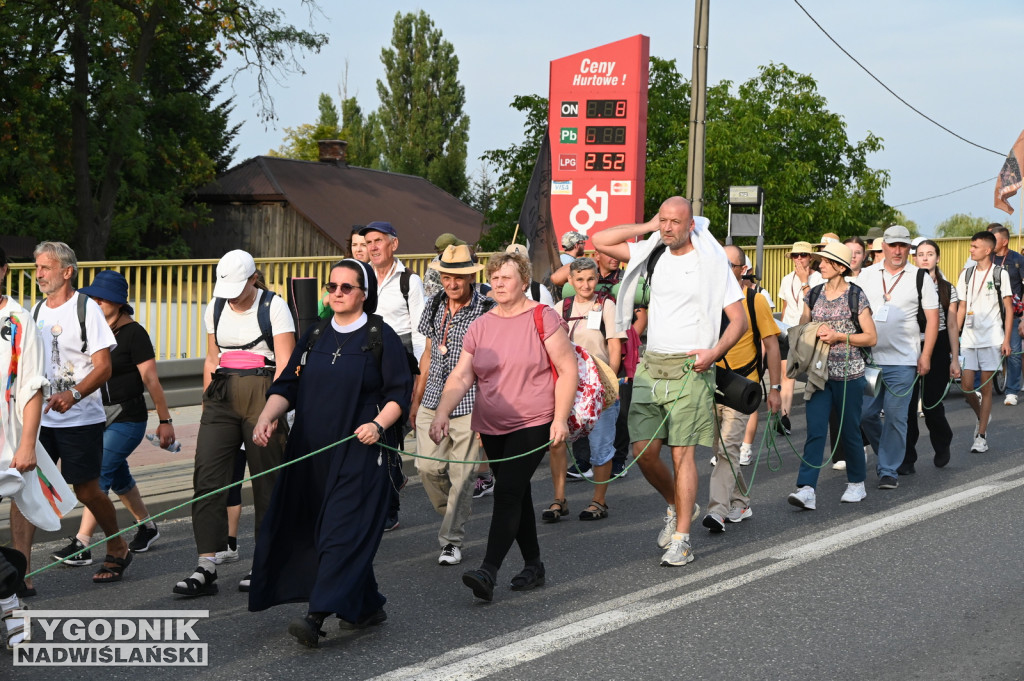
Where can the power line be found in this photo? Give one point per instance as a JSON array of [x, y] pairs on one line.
[[912, 107], [939, 196]]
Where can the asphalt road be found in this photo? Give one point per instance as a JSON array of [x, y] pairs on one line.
[[923, 582]]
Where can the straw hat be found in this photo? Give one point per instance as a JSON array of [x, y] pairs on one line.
[[456, 260], [826, 239], [609, 381], [837, 253], [801, 247]]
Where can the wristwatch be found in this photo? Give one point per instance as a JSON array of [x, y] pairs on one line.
[[166, 421], [775, 387], [77, 395]]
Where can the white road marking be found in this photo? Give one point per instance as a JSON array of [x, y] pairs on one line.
[[504, 652]]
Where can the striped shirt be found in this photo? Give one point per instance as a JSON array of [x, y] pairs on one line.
[[444, 329]]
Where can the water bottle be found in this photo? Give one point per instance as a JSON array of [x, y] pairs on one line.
[[173, 448]]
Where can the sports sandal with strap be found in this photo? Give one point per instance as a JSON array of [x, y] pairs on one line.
[[554, 511], [200, 583], [599, 511], [120, 565], [11, 628]]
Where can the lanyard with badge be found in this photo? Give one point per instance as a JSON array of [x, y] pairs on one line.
[[973, 297], [883, 314]]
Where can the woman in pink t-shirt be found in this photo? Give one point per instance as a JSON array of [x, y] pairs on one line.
[[519, 407]]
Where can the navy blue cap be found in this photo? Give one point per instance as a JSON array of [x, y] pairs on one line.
[[378, 226]]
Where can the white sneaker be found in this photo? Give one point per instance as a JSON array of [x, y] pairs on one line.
[[980, 445], [678, 553], [746, 455], [854, 492], [803, 498], [1010, 400], [977, 428], [450, 555], [665, 536], [228, 555], [839, 466], [738, 514], [714, 460]]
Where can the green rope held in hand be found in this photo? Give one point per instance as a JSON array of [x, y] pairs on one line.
[[192, 501]]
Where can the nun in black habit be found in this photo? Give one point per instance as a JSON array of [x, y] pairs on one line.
[[326, 518]]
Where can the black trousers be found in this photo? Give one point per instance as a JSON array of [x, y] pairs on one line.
[[931, 388], [513, 518]]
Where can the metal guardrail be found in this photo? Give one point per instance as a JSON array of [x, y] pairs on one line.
[[170, 296]]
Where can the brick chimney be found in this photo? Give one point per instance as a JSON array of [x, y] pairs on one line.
[[333, 151]]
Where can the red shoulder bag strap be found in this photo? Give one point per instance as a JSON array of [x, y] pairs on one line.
[[538, 321]]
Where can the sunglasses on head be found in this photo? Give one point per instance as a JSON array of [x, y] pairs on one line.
[[345, 288]]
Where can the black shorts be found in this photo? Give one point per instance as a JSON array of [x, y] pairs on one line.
[[79, 449]]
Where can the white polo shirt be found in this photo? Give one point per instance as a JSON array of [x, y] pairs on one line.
[[899, 336], [391, 306]]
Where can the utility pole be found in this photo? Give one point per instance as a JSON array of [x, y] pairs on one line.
[[698, 107]]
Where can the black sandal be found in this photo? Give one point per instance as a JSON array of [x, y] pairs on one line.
[[552, 514], [481, 582], [120, 565], [601, 511], [531, 576], [201, 583]]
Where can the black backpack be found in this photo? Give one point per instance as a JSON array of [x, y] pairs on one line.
[[853, 295], [82, 301], [997, 275], [262, 317], [374, 342]]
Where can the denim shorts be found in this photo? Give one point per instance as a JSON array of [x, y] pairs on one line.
[[119, 440]]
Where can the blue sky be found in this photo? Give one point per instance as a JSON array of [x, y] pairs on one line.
[[956, 61]]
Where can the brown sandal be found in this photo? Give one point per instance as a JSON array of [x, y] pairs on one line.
[[600, 511], [557, 509]]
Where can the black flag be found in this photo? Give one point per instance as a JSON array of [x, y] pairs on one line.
[[535, 217]]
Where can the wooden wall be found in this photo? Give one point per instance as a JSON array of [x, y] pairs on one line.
[[265, 230]]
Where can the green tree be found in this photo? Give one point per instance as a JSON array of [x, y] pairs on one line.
[[358, 130], [422, 128], [114, 101], [777, 132], [962, 224], [300, 142], [774, 131], [514, 167]]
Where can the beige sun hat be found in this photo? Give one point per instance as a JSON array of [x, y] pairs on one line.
[[876, 245], [837, 253], [826, 239], [456, 260], [801, 247]]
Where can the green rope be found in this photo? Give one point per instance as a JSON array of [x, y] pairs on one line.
[[190, 502]]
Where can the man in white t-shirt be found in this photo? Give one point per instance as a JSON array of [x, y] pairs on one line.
[[73, 418], [691, 285], [892, 290], [985, 315], [400, 305]]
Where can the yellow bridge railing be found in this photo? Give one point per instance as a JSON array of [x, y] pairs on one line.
[[170, 296]]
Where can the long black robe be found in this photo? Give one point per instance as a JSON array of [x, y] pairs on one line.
[[326, 518]]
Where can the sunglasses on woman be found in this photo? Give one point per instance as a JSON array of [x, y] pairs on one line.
[[345, 288]]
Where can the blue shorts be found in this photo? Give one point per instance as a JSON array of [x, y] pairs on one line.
[[119, 440]]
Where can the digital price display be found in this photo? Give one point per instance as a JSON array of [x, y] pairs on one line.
[[606, 108], [597, 122], [604, 161], [605, 134]]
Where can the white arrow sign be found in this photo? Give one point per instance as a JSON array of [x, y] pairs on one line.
[[583, 206]]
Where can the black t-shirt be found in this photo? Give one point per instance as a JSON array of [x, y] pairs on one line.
[[125, 386]]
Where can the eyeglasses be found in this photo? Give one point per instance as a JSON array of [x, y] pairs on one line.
[[345, 288], [739, 265]]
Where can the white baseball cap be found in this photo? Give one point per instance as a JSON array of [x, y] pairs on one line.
[[233, 270]]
